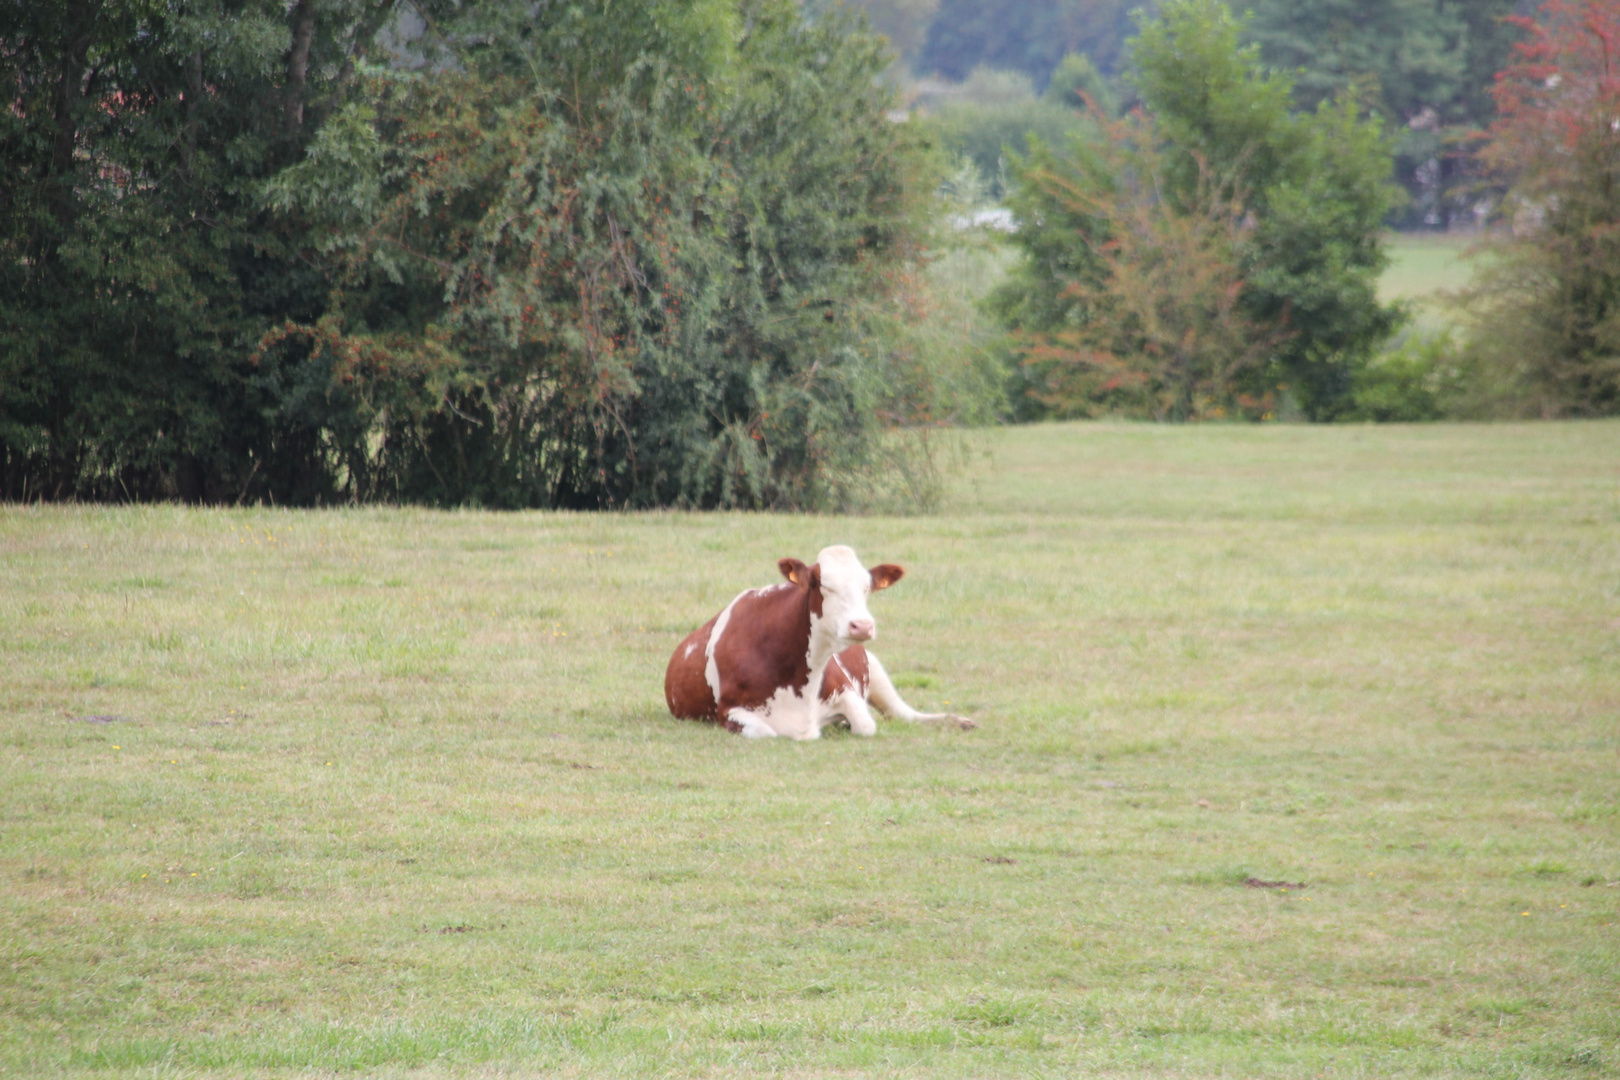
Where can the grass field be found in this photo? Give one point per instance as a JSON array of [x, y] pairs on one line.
[[1425, 267], [392, 792]]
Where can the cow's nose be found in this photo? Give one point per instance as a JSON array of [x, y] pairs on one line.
[[862, 630]]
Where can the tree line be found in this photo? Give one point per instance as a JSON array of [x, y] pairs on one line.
[[583, 255], [1425, 66], [1202, 238], [684, 253]]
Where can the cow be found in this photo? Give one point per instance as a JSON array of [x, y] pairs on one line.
[[788, 659]]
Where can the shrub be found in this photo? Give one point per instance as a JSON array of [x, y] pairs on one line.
[[1408, 382], [578, 255]]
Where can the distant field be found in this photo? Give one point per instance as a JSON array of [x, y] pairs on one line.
[[1423, 267], [392, 792]]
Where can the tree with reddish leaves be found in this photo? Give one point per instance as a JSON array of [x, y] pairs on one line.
[[1548, 309]]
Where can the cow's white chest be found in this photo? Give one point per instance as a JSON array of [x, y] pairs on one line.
[[790, 713], [793, 713]]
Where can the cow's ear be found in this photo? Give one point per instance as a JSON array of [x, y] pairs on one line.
[[798, 573], [886, 575]]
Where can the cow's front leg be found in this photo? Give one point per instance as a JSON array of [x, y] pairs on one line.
[[851, 707], [750, 724], [765, 724]]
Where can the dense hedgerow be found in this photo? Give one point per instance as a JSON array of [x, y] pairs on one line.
[[569, 255]]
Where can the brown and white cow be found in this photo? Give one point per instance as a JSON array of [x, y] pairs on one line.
[[786, 659]]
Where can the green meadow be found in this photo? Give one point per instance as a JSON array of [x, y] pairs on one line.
[[1299, 756], [1424, 269]]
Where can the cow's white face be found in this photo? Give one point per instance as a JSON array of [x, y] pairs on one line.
[[845, 584]]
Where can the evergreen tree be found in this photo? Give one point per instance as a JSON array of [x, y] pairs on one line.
[[1426, 65], [1024, 36]]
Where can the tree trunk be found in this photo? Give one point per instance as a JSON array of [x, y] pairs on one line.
[[298, 63]]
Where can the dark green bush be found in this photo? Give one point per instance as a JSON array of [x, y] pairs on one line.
[[575, 255]]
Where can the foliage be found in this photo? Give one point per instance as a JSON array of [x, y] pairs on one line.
[[940, 327], [1318, 189], [903, 22], [1418, 54], [137, 266], [1163, 331], [1407, 382], [996, 113], [1313, 189], [1547, 308], [1024, 36], [1077, 82], [582, 255], [1426, 65]]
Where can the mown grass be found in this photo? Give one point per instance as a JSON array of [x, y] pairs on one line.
[[390, 791]]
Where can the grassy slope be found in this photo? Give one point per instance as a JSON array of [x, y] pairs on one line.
[[394, 790]]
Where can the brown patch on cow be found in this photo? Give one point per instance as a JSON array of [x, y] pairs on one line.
[[766, 644], [886, 574], [1256, 883], [686, 690]]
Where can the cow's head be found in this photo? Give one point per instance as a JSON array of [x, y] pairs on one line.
[[839, 586]]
